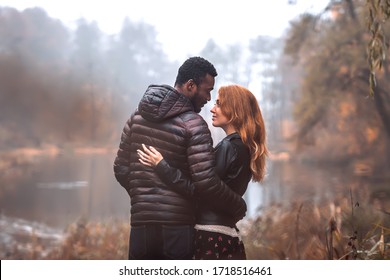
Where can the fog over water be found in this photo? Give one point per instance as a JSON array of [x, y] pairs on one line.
[[61, 190]]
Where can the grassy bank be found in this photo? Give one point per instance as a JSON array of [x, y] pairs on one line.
[[342, 230], [308, 232]]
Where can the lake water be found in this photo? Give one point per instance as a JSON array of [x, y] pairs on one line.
[[57, 191]]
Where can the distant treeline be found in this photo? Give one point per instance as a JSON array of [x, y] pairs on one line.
[[62, 85], [59, 85], [335, 116]]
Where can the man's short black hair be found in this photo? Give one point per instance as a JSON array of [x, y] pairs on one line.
[[195, 68]]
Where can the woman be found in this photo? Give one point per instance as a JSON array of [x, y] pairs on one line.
[[240, 157]]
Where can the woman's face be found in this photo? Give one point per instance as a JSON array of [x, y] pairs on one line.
[[218, 118]]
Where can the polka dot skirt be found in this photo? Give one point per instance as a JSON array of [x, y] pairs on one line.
[[217, 246]]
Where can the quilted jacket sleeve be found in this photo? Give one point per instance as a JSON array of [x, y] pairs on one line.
[[122, 160], [208, 187], [181, 184], [175, 179], [178, 182]]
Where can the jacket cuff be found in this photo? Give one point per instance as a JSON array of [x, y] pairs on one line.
[[161, 167]]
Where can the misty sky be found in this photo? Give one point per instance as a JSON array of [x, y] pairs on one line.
[[183, 26]]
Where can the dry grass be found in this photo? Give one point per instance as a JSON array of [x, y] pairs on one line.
[[304, 231], [94, 241], [308, 232], [82, 241]]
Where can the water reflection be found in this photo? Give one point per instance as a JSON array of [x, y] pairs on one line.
[[290, 183], [63, 185], [59, 190]]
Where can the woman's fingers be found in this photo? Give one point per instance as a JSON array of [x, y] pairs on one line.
[[156, 154], [143, 158], [150, 150], [150, 155], [142, 155], [147, 155], [147, 150], [144, 162], [147, 159]]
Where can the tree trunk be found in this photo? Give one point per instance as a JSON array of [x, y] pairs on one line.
[[380, 105], [351, 10]]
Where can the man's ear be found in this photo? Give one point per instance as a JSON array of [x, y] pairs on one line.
[[190, 85]]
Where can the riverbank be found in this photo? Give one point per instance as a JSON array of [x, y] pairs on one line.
[[16, 163], [303, 231], [13, 158], [303, 209]]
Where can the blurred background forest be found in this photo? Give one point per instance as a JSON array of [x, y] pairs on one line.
[[65, 90]]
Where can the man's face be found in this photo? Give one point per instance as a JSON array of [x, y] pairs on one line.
[[202, 92]]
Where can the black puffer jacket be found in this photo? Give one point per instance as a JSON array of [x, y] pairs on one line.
[[232, 166], [166, 120]]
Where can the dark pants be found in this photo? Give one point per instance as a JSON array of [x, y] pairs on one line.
[[161, 242]]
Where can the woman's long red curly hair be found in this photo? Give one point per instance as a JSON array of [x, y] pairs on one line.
[[240, 106]]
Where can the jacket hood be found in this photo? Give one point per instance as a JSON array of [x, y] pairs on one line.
[[162, 102]]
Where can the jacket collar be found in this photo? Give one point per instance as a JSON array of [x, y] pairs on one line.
[[234, 135]]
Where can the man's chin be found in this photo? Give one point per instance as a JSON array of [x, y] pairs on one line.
[[198, 109]]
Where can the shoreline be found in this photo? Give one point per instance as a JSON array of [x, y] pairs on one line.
[[13, 159]]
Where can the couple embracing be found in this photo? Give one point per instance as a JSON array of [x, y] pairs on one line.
[[186, 195]]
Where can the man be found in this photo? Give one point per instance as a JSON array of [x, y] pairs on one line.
[[162, 221]]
